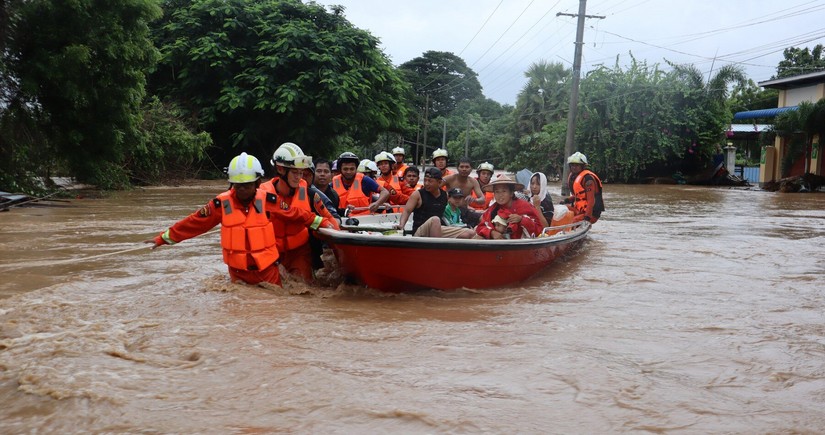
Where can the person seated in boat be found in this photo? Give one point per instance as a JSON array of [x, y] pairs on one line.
[[409, 184], [502, 226], [355, 189], [513, 210], [398, 166], [290, 164], [455, 214], [484, 173], [540, 198], [387, 179], [585, 190], [247, 215], [426, 205], [440, 162], [463, 181]]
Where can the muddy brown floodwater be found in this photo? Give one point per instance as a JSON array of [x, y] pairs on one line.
[[687, 310]]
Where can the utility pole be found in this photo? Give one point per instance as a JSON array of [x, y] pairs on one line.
[[569, 145], [444, 135], [426, 121], [467, 137]]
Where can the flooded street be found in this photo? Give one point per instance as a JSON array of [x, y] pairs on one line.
[[687, 310]]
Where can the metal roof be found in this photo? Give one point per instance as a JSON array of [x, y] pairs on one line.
[[795, 81], [763, 113]]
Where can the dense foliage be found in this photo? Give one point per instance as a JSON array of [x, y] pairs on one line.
[[441, 81], [258, 73], [800, 61]]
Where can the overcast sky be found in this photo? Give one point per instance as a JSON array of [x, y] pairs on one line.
[[499, 39]]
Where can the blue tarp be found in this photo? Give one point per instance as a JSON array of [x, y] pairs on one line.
[[763, 113]]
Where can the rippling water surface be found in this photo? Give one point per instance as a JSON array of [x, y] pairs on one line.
[[687, 310]]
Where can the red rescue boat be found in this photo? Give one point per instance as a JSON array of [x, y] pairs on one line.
[[371, 257]]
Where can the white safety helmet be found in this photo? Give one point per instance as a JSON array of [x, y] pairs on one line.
[[440, 152], [286, 154], [486, 166], [367, 165], [398, 150], [244, 169], [577, 158], [384, 156]]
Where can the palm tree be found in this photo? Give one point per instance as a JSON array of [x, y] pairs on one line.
[[542, 99]]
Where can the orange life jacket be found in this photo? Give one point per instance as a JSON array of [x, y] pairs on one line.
[[400, 172], [291, 235], [352, 196], [488, 196], [580, 195], [392, 185], [249, 234]]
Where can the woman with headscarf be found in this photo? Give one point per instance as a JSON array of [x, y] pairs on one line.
[[540, 199]]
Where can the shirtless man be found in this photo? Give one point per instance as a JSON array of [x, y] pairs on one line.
[[463, 181]]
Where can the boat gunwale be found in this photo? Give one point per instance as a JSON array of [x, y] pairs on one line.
[[397, 241]]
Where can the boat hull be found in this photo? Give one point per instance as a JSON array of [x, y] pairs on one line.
[[396, 263]]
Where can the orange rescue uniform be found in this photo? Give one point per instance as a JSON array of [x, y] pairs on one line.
[[353, 195], [247, 232]]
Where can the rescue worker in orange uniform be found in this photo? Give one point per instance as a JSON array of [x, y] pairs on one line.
[[247, 216], [410, 183], [398, 166], [484, 173], [355, 189], [292, 239], [440, 162], [387, 179], [585, 190]]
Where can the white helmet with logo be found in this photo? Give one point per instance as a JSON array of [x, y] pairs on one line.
[[244, 169], [286, 154], [440, 152], [486, 166], [577, 158], [367, 165], [384, 156], [398, 150]]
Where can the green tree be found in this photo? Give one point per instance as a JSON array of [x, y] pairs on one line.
[[443, 79], [800, 61], [749, 96], [703, 107], [258, 73], [799, 127], [544, 98], [627, 121], [78, 68]]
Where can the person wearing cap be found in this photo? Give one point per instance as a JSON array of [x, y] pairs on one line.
[[484, 173], [426, 206], [247, 216], [585, 190], [399, 166], [290, 164], [455, 214], [521, 217]]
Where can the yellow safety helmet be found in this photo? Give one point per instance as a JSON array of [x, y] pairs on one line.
[[384, 156], [286, 154], [244, 169], [577, 159], [486, 166]]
